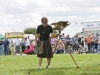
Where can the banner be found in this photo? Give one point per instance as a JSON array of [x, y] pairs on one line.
[[14, 34], [91, 25]]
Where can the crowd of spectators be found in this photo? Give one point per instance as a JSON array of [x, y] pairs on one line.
[[60, 45], [17, 47], [75, 44]]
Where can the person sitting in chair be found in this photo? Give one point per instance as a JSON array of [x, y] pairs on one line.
[[83, 51]]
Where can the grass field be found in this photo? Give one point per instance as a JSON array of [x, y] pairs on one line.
[[61, 65]]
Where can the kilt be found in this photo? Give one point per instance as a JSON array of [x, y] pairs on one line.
[[47, 50]]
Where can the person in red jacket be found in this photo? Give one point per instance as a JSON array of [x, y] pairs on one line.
[[26, 50]]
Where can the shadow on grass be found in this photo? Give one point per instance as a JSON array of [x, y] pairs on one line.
[[43, 71]]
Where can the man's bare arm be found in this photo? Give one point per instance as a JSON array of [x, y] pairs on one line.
[[36, 37], [51, 34]]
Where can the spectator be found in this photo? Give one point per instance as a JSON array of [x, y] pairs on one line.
[[79, 40], [75, 44], [53, 41], [28, 42], [92, 47], [88, 40], [1, 47], [12, 48], [17, 44], [67, 41], [26, 51], [6, 47], [9, 45], [9, 41], [60, 47], [98, 47], [63, 38], [69, 49], [82, 41], [23, 44], [97, 38], [80, 49], [84, 51], [33, 42], [31, 50]]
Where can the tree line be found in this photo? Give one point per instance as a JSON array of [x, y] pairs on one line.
[[31, 30]]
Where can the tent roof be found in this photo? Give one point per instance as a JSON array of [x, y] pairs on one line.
[[31, 36], [2, 37]]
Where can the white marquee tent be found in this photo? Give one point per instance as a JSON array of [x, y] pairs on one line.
[[32, 37]]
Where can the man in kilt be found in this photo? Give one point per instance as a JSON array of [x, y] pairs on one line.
[[43, 31]]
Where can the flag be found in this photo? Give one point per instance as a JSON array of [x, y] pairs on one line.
[[81, 22], [76, 23]]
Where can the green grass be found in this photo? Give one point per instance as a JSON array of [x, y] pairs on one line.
[[61, 65]]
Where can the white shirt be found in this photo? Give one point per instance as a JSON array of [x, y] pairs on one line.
[[27, 42], [33, 42], [17, 42], [9, 41]]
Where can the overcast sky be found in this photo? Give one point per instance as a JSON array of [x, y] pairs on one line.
[[15, 15]]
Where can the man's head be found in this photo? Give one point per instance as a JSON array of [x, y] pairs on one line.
[[97, 34], [67, 35], [44, 20], [62, 33], [25, 38], [28, 37], [89, 34], [17, 37]]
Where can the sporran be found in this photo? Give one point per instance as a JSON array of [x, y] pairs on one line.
[[39, 48]]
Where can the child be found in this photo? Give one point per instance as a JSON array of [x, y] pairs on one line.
[[54, 49]]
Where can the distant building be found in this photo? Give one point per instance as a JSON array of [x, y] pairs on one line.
[[90, 27]]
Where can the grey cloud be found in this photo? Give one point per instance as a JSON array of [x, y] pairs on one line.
[[18, 11], [24, 15], [11, 7], [78, 3], [73, 12]]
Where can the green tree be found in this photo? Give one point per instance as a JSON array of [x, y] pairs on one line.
[[30, 31]]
